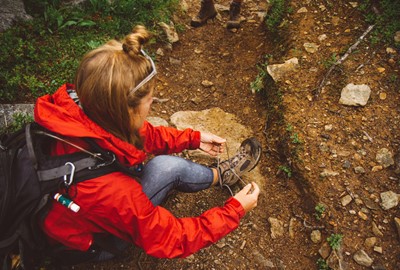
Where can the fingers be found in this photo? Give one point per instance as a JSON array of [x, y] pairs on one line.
[[248, 196]]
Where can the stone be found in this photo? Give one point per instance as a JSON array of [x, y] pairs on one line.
[[376, 230], [278, 72], [396, 37], [11, 11], [328, 173], [362, 258], [389, 200], [346, 200], [325, 250], [223, 124], [170, 31], [302, 10], [355, 95], [397, 222], [207, 83], [384, 157], [310, 47], [316, 236], [370, 242], [276, 227], [157, 121]]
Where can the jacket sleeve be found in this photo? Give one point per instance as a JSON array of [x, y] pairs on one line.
[[130, 215], [168, 140]]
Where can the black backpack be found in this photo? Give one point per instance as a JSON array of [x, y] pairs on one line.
[[29, 178]]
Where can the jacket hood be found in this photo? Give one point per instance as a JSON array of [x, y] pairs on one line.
[[59, 113]]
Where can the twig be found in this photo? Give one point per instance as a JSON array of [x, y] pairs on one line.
[[338, 62], [309, 226]]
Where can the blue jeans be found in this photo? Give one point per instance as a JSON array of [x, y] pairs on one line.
[[165, 173]]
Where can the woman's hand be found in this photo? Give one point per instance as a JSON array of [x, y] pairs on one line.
[[211, 144], [248, 196]]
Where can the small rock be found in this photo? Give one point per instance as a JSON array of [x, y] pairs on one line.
[[397, 37], [354, 4], [206, 83], [378, 249], [370, 242], [382, 96], [362, 258], [355, 95], [381, 69], [390, 51], [362, 215], [170, 31], [325, 250], [384, 157], [328, 173], [389, 200], [316, 236], [276, 227], [359, 170], [302, 10], [376, 230], [346, 200], [397, 222], [310, 47]]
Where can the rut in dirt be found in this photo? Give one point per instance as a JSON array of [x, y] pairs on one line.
[[231, 61]]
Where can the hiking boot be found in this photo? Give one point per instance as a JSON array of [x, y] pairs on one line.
[[207, 11], [245, 159], [234, 15]]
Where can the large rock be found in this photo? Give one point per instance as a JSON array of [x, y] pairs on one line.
[[279, 72], [355, 95], [10, 12], [220, 123]]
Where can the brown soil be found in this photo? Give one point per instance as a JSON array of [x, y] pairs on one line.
[[229, 60]]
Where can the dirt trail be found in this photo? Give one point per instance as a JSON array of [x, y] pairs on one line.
[[229, 61]]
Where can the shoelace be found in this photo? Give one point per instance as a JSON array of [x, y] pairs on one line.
[[230, 168]]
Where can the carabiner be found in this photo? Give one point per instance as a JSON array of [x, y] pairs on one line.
[[71, 178]]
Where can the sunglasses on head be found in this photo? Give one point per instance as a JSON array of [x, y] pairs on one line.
[[149, 77]]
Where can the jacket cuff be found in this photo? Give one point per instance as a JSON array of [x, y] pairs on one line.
[[237, 206], [194, 140]]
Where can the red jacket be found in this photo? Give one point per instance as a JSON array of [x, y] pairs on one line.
[[115, 203]]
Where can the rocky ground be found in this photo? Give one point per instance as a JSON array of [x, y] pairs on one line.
[[329, 160]]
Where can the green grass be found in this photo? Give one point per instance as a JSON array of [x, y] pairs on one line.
[[319, 211], [276, 13], [39, 55], [387, 20], [335, 240]]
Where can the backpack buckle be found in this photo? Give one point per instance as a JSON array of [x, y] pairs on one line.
[[106, 163]]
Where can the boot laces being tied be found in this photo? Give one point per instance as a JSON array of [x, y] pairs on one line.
[[207, 11], [245, 159], [234, 15]]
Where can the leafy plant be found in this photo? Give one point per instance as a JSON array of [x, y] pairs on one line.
[[386, 20], [322, 264], [39, 55], [19, 120], [330, 61], [319, 211], [258, 84], [335, 240], [286, 170], [295, 138], [275, 14]]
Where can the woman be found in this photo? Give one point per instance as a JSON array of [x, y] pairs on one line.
[[109, 102]]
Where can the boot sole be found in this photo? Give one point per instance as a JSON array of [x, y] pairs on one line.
[[256, 148]]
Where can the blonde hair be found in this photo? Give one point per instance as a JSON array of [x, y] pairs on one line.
[[104, 79]]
